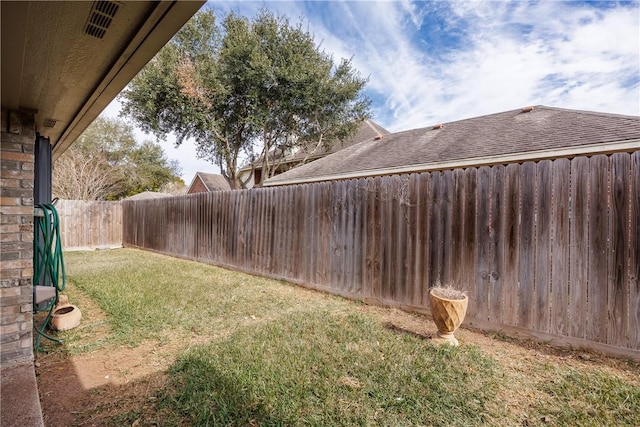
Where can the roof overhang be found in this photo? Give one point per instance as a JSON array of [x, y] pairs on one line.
[[53, 67], [585, 150]]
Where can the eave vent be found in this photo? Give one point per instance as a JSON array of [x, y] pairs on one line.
[[49, 122], [100, 18]]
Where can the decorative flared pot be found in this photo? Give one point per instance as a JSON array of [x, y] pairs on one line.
[[448, 308], [65, 317]]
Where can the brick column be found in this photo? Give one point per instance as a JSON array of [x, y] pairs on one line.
[[16, 237]]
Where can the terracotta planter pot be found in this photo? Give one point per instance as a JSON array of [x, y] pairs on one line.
[[65, 317], [448, 308]]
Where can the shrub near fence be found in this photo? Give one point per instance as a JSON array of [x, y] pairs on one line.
[[547, 249]]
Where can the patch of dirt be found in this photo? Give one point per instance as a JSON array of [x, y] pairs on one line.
[[117, 386]]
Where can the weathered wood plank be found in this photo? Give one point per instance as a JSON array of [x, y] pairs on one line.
[[543, 261], [435, 229], [378, 259], [579, 246], [369, 238], [387, 241], [598, 249], [497, 294], [468, 258], [526, 291], [447, 228], [457, 219], [634, 253], [618, 264], [359, 235], [483, 243], [409, 261], [560, 291], [424, 282], [399, 190]]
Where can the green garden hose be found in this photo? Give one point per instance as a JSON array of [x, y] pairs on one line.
[[48, 263]]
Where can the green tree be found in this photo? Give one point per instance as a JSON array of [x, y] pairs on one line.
[[107, 163], [245, 89]]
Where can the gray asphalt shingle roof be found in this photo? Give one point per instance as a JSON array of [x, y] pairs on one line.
[[367, 130], [513, 132], [214, 181]]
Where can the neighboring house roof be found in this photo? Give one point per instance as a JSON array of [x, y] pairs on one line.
[[148, 195], [367, 131], [204, 182], [531, 133]]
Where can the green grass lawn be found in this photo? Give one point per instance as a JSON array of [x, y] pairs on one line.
[[270, 353]]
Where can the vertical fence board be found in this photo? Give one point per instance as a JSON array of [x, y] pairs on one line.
[[387, 239], [543, 263], [468, 258], [435, 229], [634, 253], [447, 227], [497, 294], [483, 242], [357, 242], [560, 291], [618, 280], [369, 239], [579, 245], [598, 249], [423, 238], [379, 237], [526, 294], [409, 261], [457, 218], [399, 248]]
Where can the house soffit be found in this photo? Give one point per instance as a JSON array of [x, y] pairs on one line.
[[65, 61]]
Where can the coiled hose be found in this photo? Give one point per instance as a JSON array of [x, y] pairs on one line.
[[48, 263]]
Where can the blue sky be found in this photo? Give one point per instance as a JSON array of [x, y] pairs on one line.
[[440, 61]]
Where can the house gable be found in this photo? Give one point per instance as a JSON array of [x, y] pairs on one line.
[[197, 186], [206, 182]]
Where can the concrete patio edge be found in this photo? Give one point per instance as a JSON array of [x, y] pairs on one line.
[[19, 399]]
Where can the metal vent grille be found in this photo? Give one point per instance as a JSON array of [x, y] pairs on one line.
[[49, 122], [100, 18]]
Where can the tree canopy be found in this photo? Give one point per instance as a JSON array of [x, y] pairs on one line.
[[107, 163], [244, 89]]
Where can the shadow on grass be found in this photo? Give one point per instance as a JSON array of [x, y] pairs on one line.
[[206, 395]]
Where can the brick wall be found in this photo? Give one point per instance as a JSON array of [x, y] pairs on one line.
[[16, 237], [198, 187]]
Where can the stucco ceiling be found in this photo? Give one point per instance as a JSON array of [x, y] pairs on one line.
[[66, 61]]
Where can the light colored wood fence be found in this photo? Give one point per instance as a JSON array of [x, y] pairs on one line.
[[547, 249], [90, 225]]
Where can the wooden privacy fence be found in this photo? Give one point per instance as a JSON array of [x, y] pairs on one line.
[[549, 249], [90, 225]]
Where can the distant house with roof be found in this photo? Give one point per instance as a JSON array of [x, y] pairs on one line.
[[530, 133], [207, 182], [367, 131], [146, 195]]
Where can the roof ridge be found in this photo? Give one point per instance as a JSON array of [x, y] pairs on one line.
[[373, 128]]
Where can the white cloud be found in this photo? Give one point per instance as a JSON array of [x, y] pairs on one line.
[[511, 55]]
